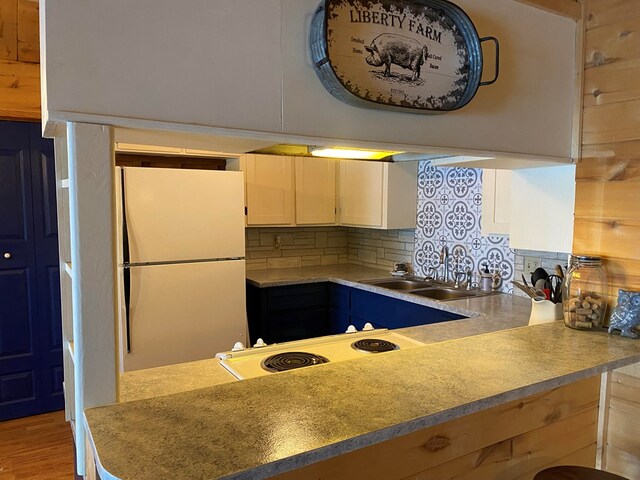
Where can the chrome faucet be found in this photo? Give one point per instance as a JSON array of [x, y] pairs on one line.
[[432, 273], [469, 274], [444, 259], [456, 276], [457, 273]]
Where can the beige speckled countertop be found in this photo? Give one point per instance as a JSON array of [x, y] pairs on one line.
[[260, 427], [289, 276], [487, 314]]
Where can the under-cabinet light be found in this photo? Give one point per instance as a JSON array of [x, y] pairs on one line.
[[350, 153]]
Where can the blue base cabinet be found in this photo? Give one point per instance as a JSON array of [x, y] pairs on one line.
[[295, 312], [283, 314], [356, 307]]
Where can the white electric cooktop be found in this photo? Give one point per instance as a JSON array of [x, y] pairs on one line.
[[278, 358]]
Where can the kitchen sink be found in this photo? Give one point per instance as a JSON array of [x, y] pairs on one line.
[[426, 288], [400, 283]]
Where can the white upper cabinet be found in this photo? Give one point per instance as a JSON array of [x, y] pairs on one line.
[[542, 207], [315, 191], [378, 195], [496, 202], [361, 193], [288, 191], [533, 206], [270, 189]]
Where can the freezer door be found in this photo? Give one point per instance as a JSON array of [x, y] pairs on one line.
[[182, 215], [182, 312]]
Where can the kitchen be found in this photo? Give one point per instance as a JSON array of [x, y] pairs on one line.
[[99, 388]]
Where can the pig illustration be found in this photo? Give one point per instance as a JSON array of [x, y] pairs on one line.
[[406, 52]]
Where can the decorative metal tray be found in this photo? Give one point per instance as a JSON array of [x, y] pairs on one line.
[[422, 56]]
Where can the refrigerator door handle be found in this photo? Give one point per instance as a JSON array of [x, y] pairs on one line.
[[125, 260], [126, 272], [125, 231]]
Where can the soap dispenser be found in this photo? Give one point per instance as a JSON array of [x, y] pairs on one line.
[[486, 279]]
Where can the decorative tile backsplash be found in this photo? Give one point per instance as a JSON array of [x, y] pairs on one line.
[[449, 213]]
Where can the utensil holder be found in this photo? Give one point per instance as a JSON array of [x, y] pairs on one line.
[[544, 311]]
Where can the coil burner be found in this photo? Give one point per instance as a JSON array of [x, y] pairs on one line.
[[281, 362], [374, 345]]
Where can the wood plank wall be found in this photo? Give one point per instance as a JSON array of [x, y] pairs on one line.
[[512, 441], [19, 60], [607, 209]]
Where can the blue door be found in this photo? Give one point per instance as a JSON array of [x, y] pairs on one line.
[[30, 324]]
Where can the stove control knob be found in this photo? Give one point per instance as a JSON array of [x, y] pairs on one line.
[[367, 327], [351, 329], [237, 347], [259, 343]]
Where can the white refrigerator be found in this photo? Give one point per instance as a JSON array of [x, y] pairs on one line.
[[181, 265]]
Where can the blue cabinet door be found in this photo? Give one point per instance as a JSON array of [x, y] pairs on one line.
[[30, 338], [287, 313], [352, 306]]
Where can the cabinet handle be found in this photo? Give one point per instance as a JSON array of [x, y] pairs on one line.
[[7, 255]]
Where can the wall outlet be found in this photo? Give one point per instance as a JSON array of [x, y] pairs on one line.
[[530, 264]]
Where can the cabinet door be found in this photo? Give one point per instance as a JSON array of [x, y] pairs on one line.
[[387, 312], [269, 190], [548, 225], [496, 202], [361, 193], [315, 191], [289, 312]]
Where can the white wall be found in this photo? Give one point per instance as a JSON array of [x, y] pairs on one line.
[[244, 65], [529, 109], [201, 62]]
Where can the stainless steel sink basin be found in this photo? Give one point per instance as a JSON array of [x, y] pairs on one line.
[[444, 294], [400, 283], [426, 288]]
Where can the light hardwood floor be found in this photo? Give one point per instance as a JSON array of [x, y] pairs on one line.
[[36, 448]]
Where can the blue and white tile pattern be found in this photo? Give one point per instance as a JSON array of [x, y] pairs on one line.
[[449, 213]]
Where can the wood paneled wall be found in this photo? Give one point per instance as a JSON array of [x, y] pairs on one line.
[[607, 209], [19, 60], [512, 441], [608, 176], [622, 451]]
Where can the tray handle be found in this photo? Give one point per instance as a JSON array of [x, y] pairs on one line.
[[497, 73]]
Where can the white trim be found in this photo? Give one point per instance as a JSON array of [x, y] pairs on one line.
[[91, 212], [191, 132]]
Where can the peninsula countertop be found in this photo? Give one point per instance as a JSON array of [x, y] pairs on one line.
[[260, 427]]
